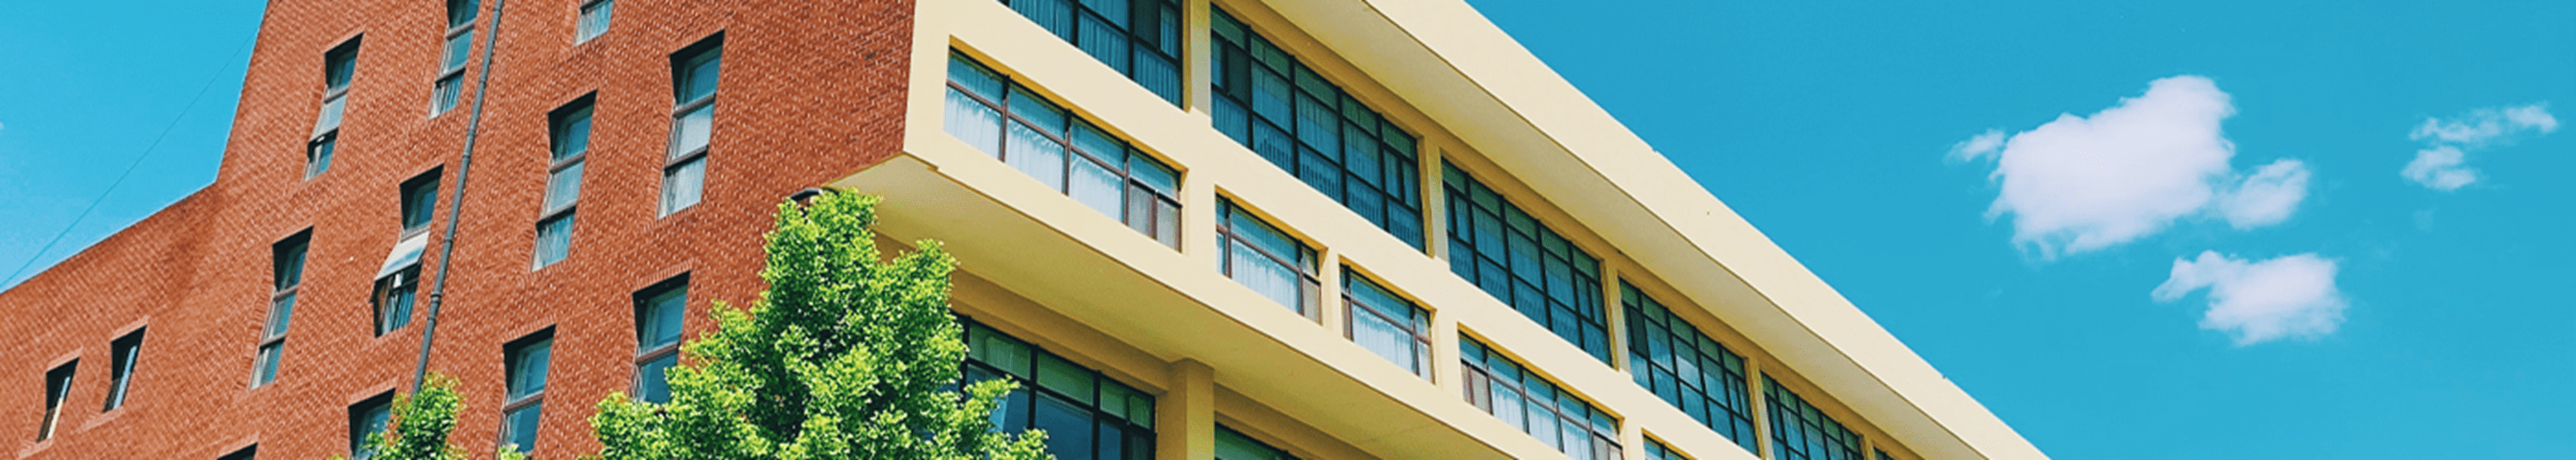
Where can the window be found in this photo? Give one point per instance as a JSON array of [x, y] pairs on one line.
[[693, 123], [450, 85], [1524, 264], [1266, 259], [246, 453], [569, 129], [288, 267], [120, 368], [1139, 38], [1688, 369], [526, 367], [1529, 402], [1233, 445], [1801, 432], [1101, 170], [1391, 326], [397, 284], [58, 386], [1290, 115], [594, 19], [368, 418], [337, 66], [1087, 416], [660, 314], [1656, 450], [1881, 455]]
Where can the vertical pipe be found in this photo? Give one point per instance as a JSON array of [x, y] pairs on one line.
[[456, 205]]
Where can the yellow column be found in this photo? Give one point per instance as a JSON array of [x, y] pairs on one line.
[[1446, 371], [1760, 407], [1614, 314], [1435, 205], [1198, 59], [1185, 417], [1330, 311], [1198, 219]]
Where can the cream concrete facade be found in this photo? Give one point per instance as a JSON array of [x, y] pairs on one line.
[[1043, 267]]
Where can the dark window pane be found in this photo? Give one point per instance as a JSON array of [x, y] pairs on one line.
[[1068, 427]]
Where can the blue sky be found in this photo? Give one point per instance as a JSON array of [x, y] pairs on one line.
[[2202, 229]]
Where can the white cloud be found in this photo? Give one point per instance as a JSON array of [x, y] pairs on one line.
[[2254, 302], [2442, 163], [2080, 184]]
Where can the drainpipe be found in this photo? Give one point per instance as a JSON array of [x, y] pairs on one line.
[[456, 205]]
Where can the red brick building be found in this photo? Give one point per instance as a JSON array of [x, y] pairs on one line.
[[810, 91]]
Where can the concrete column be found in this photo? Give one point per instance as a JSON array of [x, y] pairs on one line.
[[1632, 441], [1435, 204], [1185, 417], [1615, 316], [1329, 310], [1760, 407], [1198, 59], [1198, 219], [1446, 371]]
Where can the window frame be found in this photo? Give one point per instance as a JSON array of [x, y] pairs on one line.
[[424, 187], [584, 110], [405, 281], [1353, 305], [1232, 73], [581, 20], [513, 358], [1479, 385], [376, 410], [270, 356], [683, 66], [1651, 324], [1466, 200], [1132, 420], [648, 353], [1131, 39], [1833, 438], [122, 354], [324, 143], [58, 391], [1310, 278], [1142, 206], [458, 25]]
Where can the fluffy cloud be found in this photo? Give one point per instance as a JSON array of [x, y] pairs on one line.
[[2079, 184], [2255, 302], [2442, 163]]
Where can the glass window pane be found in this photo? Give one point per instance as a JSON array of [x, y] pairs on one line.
[[663, 318], [554, 240], [563, 186], [1043, 115], [594, 19], [1072, 381], [698, 80], [268, 358], [519, 427], [330, 118], [681, 185], [278, 313], [458, 48], [972, 121], [1097, 187], [1068, 427], [1033, 153], [1153, 174], [693, 130], [652, 379], [528, 368], [446, 92]]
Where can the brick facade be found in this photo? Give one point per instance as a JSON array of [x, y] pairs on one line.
[[810, 91]]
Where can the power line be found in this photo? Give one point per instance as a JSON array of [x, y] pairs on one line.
[[138, 161]]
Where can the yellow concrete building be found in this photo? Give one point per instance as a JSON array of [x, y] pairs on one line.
[[1142, 194]]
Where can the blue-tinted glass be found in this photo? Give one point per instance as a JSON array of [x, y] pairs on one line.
[[528, 368], [698, 79], [519, 427], [554, 240], [682, 183], [652, 379], [594, 20]]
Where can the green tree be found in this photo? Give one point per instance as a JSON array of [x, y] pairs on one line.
[[417, 425], [845, 356]]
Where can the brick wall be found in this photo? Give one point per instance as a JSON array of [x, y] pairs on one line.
[[810, 91]]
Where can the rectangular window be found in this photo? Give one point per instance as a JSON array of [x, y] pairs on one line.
[[58, 386], [1536, 406], [1521, 262], [526, 381], [1290, 115], [1087, 416], [1267, 260], [594, 19], [1139, 38], [338, 66], [660, 318], [287, 262], [1062, 150], [693, 122], [1656, 450], [246, 453], [1686, 368], [450, 85], [419, 202], [1233, 445], [1391, 326], [394, 297], [569, 134], [120, 369], [368, 418], [1801, 432]]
